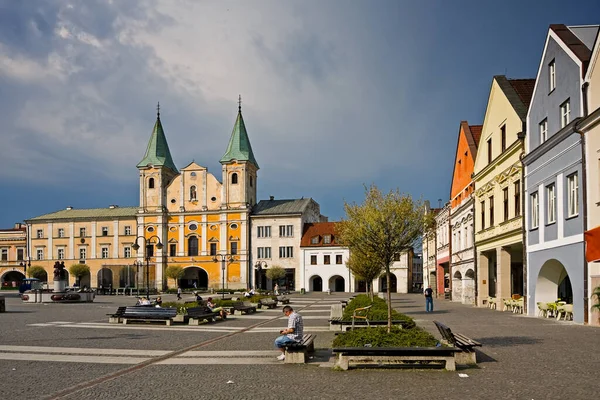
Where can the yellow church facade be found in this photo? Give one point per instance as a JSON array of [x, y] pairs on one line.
[[186, 218]]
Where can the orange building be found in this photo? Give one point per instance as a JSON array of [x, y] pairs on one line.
[[462, 267]]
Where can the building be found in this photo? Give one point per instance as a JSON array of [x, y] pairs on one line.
[[553, 171], [186, 218], [590, 127], [498, 187], [442, 251], [417, 272], [277, 227], [462, 214], [13, 255], [428, 244], [323, 260]]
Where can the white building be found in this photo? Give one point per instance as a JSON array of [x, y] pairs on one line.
[[276, 230]]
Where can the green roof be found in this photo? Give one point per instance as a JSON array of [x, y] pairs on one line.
[[89, 213], [239, 147], [158, 153]]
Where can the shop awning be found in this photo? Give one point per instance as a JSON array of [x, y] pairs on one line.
[[592, 244]]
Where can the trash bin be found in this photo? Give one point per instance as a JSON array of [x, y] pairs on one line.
[[2, 304], [302, 291]]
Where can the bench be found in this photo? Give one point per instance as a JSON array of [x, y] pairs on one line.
[[197, 314], [400, 356], [269, 303], [464, 344], [116, 317], [295, 353], [149, 314], [283, 300], [243, 307]]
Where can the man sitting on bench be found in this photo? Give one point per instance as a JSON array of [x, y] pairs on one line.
[[292, 334], [213, 307]]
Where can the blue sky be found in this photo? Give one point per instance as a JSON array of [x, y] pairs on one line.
[[336, 94]]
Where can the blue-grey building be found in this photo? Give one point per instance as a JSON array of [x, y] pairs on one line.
[[554, 220]]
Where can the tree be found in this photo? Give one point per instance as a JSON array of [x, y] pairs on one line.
[[596, 294], [37, 272], [381, 227], [174, 272], [364, 268], [79, 271], [275, 273]]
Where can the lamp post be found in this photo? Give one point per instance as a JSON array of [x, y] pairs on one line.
[[225, 258], [259, 268], [137, 264], [25, 265], [148, 244]]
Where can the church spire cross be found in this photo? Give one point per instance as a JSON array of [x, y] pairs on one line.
[[158, 110], [240, 103]]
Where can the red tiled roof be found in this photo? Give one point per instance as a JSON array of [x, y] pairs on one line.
[[319, 229], [476, 132], [571, 40], [524, 89]]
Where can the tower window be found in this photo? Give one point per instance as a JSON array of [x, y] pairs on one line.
[[151, 183], [234, 179], [193, 246], [251, 182], [192, 193]]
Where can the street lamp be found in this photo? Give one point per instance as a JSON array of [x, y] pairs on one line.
[[147, 255], [259, 268], [137, 264], [25, 265], [225, 258]]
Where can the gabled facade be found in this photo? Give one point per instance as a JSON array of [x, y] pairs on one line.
[[498, 188], [554, 171], [590, 128], [461, 214], [323, 260], [276, 232], [442, 251]]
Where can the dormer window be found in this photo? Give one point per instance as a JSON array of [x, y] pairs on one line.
[[327, 239], [234, 178], [314, 240], [151, 183]]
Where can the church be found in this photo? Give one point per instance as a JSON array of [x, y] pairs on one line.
[[186, 218]]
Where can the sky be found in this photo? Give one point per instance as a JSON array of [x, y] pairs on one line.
[[336, 94]]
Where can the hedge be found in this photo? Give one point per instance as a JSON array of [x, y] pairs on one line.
[[379, 337]]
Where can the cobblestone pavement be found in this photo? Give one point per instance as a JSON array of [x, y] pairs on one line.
[[522, 357]]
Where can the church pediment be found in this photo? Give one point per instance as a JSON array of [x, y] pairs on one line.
[[193, 166]]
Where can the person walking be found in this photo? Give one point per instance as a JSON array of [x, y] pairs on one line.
[[276, 289], [178, 292], [428, 299], [292, 334]]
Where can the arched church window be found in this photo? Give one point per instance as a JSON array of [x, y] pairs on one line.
[[151, 183], [234, 179], [193, 193], [193, 246]]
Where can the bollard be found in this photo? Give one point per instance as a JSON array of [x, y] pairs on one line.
[[2, 304]]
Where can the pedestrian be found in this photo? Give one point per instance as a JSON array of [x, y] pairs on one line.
[[276, 289], [292, 334], [428, 299], [178, 292], [158, 301], [213, 307]]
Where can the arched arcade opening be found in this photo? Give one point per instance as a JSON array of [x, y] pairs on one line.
[[194, 277], [337, 284], [316, 283], [553, 283]]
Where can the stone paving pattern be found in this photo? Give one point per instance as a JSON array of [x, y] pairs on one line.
[[522, 358]]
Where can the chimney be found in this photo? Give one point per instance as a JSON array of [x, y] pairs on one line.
[[271, 198], [69, 208]]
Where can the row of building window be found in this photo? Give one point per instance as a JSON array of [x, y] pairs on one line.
[[284, 252], [489, 222], [565, 118], [82, 232], [326, 259], [4, 254], [550, 192], [284, 231]]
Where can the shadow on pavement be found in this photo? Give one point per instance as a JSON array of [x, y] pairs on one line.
[[508, 340], [425, 312]]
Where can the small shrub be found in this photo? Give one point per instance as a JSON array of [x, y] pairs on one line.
[[378, 337]]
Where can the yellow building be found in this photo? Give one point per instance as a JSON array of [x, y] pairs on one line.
[[13, 255], [498, 191], [185, 218]]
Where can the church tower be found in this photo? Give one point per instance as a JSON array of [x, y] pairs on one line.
[[239, 167], [157, 170]]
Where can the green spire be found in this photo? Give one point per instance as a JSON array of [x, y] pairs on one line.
[[239, 147], [158, 153]]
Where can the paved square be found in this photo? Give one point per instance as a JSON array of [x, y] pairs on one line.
[[71, 351]]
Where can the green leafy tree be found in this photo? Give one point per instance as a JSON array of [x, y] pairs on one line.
[[381, 227], [37, 272], [275, 273], [174, 272], [364, 268], [79, 271], [596, 294]]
